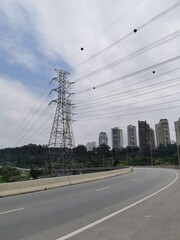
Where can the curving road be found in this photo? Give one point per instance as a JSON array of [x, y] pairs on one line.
[[144, 204]]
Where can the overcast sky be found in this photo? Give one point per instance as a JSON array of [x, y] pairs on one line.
[[38, 36]]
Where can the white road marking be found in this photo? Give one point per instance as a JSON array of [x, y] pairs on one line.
[[97, 190], [115, 213], [148, 216], [13, 210]]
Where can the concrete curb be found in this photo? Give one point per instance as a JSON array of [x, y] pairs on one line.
[[15, 188]]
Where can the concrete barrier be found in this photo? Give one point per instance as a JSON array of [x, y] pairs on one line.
[[9, 189]]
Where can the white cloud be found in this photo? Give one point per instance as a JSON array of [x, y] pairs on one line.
[[16, 118]]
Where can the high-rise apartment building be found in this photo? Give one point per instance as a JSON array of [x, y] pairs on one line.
[[146, 137], [162, 132], [177, 130], [121, 138], [132, 137], [117, 137], [152, 139], [103, 139], [158, 134]]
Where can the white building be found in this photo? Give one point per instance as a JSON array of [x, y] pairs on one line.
[[132, 137], [162, 132], [90, 146], [117, 137], [157, 129], [177, 130], [103, 139]]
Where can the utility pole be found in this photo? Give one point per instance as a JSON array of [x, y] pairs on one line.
[[61, 141]]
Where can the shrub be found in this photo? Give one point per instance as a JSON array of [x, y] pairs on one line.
[[10, 174], [35, 173]]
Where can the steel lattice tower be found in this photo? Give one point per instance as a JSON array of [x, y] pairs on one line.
[[61, 141]]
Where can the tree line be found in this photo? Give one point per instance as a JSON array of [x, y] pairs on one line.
[[34, 156], [33, 161]]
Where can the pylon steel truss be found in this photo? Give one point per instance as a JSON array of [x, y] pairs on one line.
[[61, 141]]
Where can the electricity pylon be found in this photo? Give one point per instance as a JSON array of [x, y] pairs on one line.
[[61, 141]]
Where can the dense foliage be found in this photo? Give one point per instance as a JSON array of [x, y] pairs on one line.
[[36, 159], [12, 174], [34, 156], [29, 156]]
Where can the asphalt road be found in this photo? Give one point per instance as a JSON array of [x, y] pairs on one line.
[[144, 204]]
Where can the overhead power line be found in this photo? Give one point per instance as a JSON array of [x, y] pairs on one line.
[[29, 126], [36, 127], [115, 96], [105, 95], [39, 134], [129, 75], [126, 98], [128, 104], [146, 48], [29, 116], [132, 109], [174, 6], [130, 114], [105, 29]]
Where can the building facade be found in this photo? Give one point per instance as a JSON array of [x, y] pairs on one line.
[[103, 139], [162, 132], [158, 133], [117, 137], [90, 146], [152, 139], [121, 138], [177, 130], [132, 137], [144, 137]]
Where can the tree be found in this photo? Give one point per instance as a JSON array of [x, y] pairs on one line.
[[104, 156], [35, 173], [104, 150], [10, 174], [27, 156], [81, 150]]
